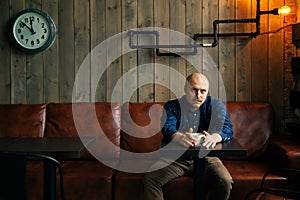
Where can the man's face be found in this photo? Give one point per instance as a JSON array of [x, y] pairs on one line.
[[196, 91]]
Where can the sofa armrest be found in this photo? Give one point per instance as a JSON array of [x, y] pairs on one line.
[[285, 151]]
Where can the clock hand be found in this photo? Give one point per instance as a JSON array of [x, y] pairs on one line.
[[31, 30]]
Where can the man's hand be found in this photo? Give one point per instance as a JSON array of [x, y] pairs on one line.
[[211, 139], [186, 139]]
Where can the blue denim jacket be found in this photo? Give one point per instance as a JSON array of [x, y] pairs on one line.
[[211, 117]]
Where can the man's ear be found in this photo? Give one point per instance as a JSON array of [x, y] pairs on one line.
[[185, 88]]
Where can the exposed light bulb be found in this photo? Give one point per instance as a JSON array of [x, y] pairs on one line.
[[284, 10]]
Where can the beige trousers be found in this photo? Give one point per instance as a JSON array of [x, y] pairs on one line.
[[218, 179]]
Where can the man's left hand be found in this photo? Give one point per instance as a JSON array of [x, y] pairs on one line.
[[211, 139]]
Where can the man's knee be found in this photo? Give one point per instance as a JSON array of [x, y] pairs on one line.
[[151, 180]]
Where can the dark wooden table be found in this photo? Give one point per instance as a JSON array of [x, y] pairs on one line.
[[57, 147], [227, 149]]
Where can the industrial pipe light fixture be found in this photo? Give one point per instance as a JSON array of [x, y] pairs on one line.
[[285, 10]]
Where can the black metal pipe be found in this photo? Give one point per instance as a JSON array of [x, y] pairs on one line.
[[214, 35]]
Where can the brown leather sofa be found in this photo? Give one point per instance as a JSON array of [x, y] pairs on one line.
[[87, 178]]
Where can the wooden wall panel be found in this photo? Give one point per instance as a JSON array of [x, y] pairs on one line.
[[177, 23], [210, 64], [51, 58], [226, 50], [145, 56], [18, 63], [82, 48], [129, 60], [243, 53], [5, 81], [66, 34], [162, 77], [113, 27], [97, 27], [259, 57], [276, 71], [251, 68], [194, 25], [34, 71]]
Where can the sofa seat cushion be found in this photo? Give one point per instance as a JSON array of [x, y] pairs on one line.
[[129, 186], [179, 188], [247, 176], [268, 196], [35, 177], [87, 180], [22, 120], [129, 180], [285, 152]]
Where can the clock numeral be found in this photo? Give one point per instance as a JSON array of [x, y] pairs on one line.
[[31, 18], [26, 41], [21, 25], [43, 37], [38, 20], [45, 30], [26, 20], [43, 25], [22, 37], [37, 41], [32, 42], [19, 30]]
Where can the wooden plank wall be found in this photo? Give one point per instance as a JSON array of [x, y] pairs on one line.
[[250, 69]]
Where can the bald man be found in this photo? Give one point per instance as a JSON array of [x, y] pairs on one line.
[[195, 112]]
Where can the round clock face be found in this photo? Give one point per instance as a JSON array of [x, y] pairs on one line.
[[33, 31]]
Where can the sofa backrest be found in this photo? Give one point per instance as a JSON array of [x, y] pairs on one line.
[[22, 120], [141, 127], [141, 123], [100, 120], [253, 125]]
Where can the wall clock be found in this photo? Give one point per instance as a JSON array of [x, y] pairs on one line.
[[33, 30]]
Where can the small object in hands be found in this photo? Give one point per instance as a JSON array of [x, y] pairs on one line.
[[200, 138]]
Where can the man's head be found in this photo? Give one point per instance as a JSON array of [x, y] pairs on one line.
[[196, 89]]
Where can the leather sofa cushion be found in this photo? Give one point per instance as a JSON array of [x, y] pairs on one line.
[[180, 188], [129, 186], [88, 180], [141, 125], [101, 120], [253, 125], [247, 176], [22, 120], [285, 152], [82, 180], [34, 173]]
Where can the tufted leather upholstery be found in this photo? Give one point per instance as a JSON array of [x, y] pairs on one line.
[[22, 120], [144, 121], [87, 178], [61, 119], [253, 125], [135, 127]]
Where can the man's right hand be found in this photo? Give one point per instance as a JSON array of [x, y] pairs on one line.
[[186, 139]]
